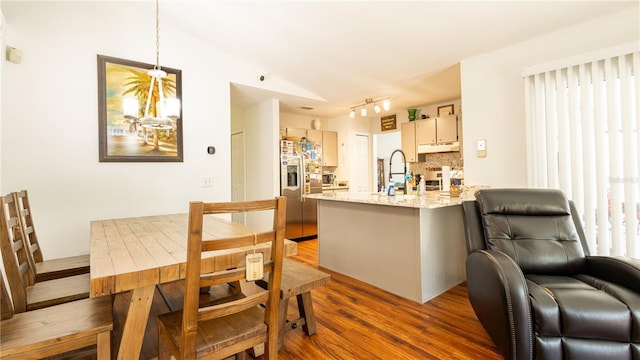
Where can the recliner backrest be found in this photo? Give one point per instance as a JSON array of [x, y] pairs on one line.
[[534, 227]]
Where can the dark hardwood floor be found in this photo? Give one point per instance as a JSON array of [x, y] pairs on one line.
[[359, 321]]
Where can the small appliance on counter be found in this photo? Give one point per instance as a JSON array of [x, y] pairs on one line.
[[433, 179], [328, 178]]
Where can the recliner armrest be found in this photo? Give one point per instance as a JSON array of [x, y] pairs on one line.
[[500, 298], [619, 270]]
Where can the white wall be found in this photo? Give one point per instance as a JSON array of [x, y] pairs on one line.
[[49, 125], [493, 95], [263, 150], [298, 121]]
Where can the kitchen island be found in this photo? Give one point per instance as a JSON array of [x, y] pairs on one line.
[[410, 246]]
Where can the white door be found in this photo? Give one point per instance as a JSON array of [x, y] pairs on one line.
[[238, 172], [361, 169]]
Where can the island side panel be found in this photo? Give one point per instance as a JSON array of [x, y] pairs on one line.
[[377, 244], [442, 250]]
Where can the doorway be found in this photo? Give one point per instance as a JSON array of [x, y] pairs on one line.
[[238, 173], [384, 145], [361, 167]]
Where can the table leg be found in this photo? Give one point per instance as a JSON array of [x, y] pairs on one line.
[[135, 323], [305, 307]]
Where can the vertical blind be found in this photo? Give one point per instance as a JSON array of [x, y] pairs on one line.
[[582, 138]]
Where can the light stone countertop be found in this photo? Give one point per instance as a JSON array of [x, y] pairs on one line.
[[431, 200], [335, 187]]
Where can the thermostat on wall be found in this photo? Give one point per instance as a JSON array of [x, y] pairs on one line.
[[14, 55]]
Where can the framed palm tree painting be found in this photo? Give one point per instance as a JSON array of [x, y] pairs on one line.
[[136, 120]]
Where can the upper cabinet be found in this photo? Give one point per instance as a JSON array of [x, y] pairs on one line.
[[408, 139], [437, 130], [426, 131], [447, 129], [329, 148], [314, 136], [328, 140], [310, 134], [296, 133], [438, 134]]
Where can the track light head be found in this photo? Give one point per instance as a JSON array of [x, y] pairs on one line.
[[363, 112]]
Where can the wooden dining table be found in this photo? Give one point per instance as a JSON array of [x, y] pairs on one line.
[[136, 254]]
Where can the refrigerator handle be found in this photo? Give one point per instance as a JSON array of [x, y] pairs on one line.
[[303, 181]]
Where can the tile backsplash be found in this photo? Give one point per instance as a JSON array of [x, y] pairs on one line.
[[436, 160]]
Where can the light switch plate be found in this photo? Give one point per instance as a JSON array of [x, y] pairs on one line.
[[481, 148]]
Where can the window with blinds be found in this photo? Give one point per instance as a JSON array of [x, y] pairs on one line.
[[582, 138]]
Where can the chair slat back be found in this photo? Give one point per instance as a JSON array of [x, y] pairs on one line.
[[30, 235], [197, 275], [6, 306], [15, 255]]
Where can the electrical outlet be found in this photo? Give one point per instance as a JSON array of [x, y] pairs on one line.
[[207, 181]]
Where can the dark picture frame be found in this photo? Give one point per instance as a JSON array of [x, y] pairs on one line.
[[121, 139], [445, 110], [388, 123]]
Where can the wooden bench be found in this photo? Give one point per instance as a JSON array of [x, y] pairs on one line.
[[297, 279], [55, 330]]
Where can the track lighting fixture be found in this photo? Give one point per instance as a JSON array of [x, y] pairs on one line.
[[386, 105]]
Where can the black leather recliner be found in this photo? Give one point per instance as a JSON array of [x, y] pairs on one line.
[[534, 286]]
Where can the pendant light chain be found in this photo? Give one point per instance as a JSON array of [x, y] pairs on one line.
[[157, 36], [166, 112]]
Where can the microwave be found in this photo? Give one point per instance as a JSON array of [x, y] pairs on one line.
[[328, 179]]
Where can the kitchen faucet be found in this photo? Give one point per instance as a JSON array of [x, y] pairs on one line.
[[404, 174]]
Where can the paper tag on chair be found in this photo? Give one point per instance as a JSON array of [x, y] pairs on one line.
[[254, 265]]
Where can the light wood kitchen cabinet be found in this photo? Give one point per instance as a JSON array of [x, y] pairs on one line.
[[426, 131], [329, 148], [328, 140], [447, 129], [432, 131], [309, 134], [408, 139], [314, 136], [436, 130], [298, 133]]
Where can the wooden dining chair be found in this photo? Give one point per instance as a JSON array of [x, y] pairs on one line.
[[51, 268], [222, 330], [25, 292], [72, 327]]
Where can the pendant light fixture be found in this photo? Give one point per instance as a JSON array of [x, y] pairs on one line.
[[167, 111], [386, 105]]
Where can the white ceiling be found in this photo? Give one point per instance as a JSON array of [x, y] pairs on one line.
[[347, 51]]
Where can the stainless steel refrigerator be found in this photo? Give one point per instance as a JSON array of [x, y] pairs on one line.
[[300, 174]]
